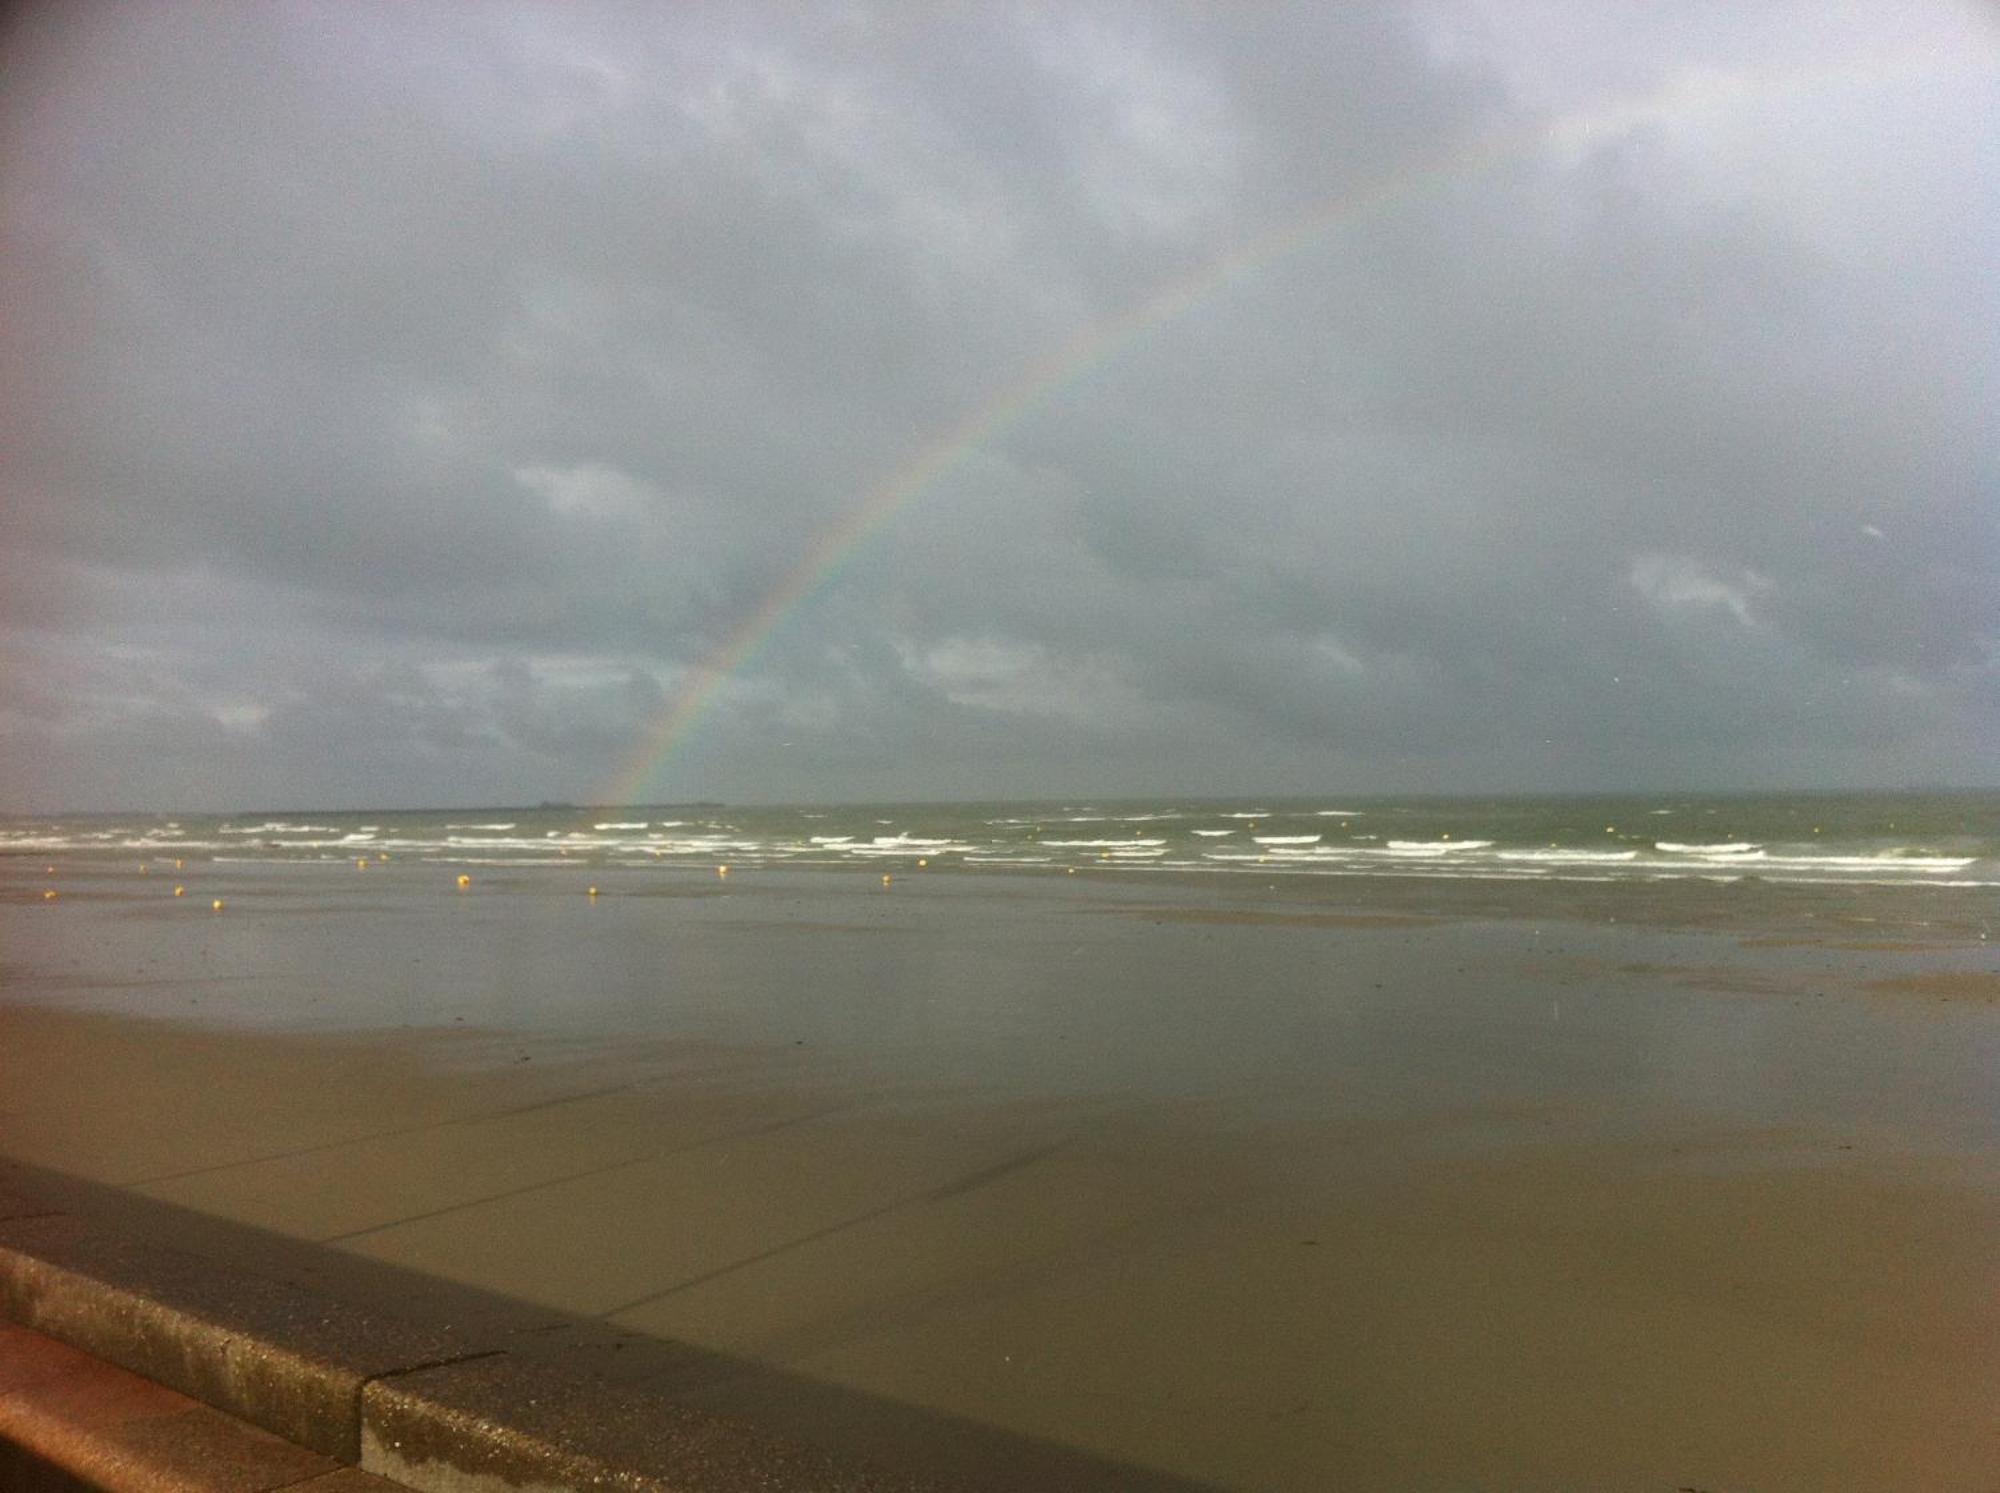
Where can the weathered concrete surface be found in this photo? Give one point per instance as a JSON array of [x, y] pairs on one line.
[[70, 1422], [277, 1355], [505, 1424]]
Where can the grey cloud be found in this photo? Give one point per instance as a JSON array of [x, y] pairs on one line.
[[399, 404]]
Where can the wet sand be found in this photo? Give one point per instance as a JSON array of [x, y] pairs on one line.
[[1267, 1187]]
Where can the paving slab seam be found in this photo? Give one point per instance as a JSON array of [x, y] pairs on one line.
[[375, 1135], [361, 1389], [440, 1363]]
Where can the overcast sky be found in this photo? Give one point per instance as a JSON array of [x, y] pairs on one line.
[[400, 403]]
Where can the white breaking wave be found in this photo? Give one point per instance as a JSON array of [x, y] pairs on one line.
[[905, 848], [1105, 840], [1097, 844], [1571, 857], [1879, 862]]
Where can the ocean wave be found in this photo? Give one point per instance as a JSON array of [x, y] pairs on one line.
[[1878, 862], [906, 848], [1569, 857], [1287, 839], [1721, 847], [1096, 844], [496, 860]]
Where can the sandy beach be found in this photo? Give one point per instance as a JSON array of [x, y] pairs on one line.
[[1255, 1187]]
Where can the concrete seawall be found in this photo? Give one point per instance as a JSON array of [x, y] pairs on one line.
[[429, 1408], [491, 1407]]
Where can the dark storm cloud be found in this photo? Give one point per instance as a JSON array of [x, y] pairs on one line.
[[400, 402]]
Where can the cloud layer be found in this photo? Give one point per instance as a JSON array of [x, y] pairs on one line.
[[404, 406]]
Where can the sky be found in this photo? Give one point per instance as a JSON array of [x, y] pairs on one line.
[[463, 404]]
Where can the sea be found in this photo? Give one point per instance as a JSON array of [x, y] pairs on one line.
[[1935, 838]]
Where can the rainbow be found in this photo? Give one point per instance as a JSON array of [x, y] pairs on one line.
[[824, 560]]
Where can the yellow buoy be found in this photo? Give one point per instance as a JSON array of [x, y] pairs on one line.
[[177, 865], [216, 905], [50, 894], [885, 880], [180, 891], [465, 881], [361, 863], [722, 870], [593, 891], [1072, 870], [922, 862]]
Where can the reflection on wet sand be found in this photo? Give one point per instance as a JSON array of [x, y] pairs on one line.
[[1278, 1194]]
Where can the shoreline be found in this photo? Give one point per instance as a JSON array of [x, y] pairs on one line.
[[1780, 906]]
